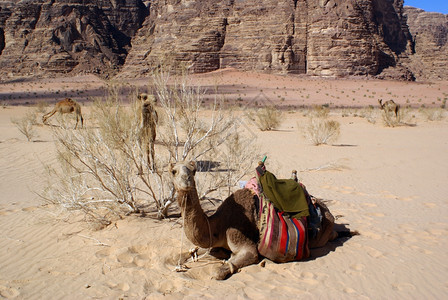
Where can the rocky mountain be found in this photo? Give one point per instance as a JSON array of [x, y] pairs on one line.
[[316, 37], [335, 38], [67, 36], [429, 33]]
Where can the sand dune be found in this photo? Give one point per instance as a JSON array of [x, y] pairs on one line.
[[387, 183]]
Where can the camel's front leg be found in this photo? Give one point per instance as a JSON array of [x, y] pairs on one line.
[[77, 120], [244, 253]]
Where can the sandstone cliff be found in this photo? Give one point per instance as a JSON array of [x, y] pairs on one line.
[[430, 43], [63, 36], [316, 37], [335, 38]]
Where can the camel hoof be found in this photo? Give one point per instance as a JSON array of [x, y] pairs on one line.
[[223, 272]]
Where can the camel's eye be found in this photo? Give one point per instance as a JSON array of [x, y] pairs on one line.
[[173, 172]]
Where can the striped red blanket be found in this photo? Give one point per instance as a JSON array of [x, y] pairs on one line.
[[282, 238]]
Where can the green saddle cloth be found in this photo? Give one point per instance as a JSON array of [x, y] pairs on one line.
[[286, 195]]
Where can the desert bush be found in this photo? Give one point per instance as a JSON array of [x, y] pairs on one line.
[[403, 117], [432, 114], [41, 107], [103, 170], [26, 125], [390, 119], [369, 113], [320, 129], [319, 111], [267, 118]]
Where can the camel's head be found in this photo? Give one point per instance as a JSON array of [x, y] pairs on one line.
[[182, 174], [143, 97]]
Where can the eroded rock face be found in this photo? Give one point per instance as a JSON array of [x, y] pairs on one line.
[[334, 38], [44, 37], [430, 38], [317, 37]]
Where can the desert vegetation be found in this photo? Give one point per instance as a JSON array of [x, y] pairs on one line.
[[432, 114], [26, 124], [266, 118], [102, 170], [321, 129]]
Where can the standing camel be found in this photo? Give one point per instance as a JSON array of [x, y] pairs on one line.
[[64, 107], [233, 226], [148, 122], [389, 106]]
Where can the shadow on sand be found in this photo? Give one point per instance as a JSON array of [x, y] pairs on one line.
[[331, 246]]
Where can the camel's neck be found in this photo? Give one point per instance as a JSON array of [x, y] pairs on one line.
[[196, 223]]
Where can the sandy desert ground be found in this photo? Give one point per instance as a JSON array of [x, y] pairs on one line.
[[390, 184]]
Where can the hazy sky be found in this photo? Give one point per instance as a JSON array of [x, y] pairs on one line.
[[429, 5]]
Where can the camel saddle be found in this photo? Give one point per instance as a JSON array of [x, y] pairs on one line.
[[283, 238]]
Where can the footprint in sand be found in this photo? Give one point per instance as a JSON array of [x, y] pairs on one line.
[[309, 278], [374, 253], [421, 250], [106, 252], [8, 293], [31, 208], [134, 256], [403, 286], [119, 286], [405, 199], [8, 212], [141, 260], [376, 214], [347, 190], [357, 267], [349, 290], [125, 258]]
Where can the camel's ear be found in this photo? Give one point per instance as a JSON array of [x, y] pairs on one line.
[[193, 165], [142, 97], [152, 98], [171, 166]]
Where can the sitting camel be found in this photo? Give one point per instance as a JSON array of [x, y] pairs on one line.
[[389, 106], [233, 226], [64, 107], [148, 122]]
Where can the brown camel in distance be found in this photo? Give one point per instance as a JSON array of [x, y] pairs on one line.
[[234, 224], [66, 106], [148, 123], [389, 106]]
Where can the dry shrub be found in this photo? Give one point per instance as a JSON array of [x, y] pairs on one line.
[[26, 125], [433, 114], [103, 170], [404, 117], [41, 107], [369, 113], [319, 111], [268, 118], [320, 129]]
